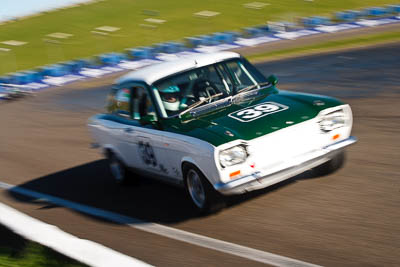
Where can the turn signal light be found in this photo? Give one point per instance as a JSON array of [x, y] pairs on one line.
[[233, 174], [336, 136]]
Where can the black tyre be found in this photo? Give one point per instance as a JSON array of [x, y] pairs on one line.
[[332, 165], [203, 196], [119, 170]]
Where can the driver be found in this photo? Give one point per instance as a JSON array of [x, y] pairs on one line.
[[170, 98]]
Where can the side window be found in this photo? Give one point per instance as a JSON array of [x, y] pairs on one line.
[[142, 105], [119, 102]]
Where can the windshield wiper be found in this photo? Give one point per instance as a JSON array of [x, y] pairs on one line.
[[198, 103], [252, 87]]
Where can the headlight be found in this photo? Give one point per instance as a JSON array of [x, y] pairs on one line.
[[332, 120], [232, 156]]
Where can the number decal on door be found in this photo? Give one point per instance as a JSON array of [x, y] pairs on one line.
[[147, 153], [258, 111]]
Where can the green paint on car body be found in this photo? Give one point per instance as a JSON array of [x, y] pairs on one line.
[[217, 128]]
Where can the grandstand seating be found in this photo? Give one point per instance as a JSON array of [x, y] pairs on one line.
[[111, 59], [315, 21], [25, 77], [393, 8], [253, 31], [375, 11], [224, 37], [168, 47], [207, 40], [141, 52], [345, 16], [5, 79], [192, 41], [75, 66], [55, 70]]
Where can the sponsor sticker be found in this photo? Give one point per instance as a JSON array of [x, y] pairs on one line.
[[257, 111]]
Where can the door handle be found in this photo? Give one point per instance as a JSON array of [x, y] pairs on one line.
[[128, 130]]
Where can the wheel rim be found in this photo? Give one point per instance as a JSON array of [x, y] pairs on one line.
[[196, 189], [117, 169]]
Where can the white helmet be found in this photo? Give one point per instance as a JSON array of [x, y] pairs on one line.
[[170, 98]]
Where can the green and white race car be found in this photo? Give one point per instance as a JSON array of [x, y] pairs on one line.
[[214, 124]]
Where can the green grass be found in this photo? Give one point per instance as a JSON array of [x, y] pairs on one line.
[[35, 255], [128, 15], [369, 39], [16, 251]]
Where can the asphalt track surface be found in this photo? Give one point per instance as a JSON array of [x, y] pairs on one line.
[[349, 218]]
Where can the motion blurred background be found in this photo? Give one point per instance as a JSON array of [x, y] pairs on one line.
[[350, 218], [36, 33]]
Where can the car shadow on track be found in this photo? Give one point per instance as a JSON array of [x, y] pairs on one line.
[[147, 200]]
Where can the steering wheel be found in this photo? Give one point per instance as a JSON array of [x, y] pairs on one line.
[[204, 89]]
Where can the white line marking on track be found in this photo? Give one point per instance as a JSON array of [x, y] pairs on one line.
[[85, 251], [173, 233]]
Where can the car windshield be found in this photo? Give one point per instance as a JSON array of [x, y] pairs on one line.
[[182, 92]]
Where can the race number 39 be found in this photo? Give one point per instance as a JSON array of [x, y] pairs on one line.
[[257, 111]]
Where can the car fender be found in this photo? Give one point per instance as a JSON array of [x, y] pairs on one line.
[[113, 149], [205, 166]]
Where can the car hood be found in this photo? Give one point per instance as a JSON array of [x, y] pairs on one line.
[[244, 120]]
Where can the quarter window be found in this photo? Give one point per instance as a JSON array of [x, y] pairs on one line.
[[131, 102], [141, 104], [119, 102]]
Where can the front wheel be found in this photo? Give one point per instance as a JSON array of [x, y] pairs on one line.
[[203, 196], [332, 165]]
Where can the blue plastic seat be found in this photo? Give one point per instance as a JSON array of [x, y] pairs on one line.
[[315, 21], [24, 77], [345, 16], [142, 52], [19, 78], [175, 47], [168, 47], [55, 70], [33, 76], [5, 79], [253, 31], [111, 59], [224, 37], [89, 63], [393, 8], [207, 40], [375, 11], [74, 66], [192, 41]]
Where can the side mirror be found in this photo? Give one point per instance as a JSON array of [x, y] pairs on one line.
[[148, 119], [272, 79]]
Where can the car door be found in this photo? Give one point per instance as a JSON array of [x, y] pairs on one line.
[[122, 128], [143, 140]]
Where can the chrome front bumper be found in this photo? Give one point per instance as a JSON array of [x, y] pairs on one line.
[[261, 179]]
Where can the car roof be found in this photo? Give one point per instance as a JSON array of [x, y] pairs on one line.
[[155, 72]]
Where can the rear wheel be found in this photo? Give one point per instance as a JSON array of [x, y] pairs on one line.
[[203, 196], [332, 165], [119, 170]]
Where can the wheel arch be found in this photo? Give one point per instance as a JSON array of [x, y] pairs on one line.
[[190, 161], [108, 149]]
